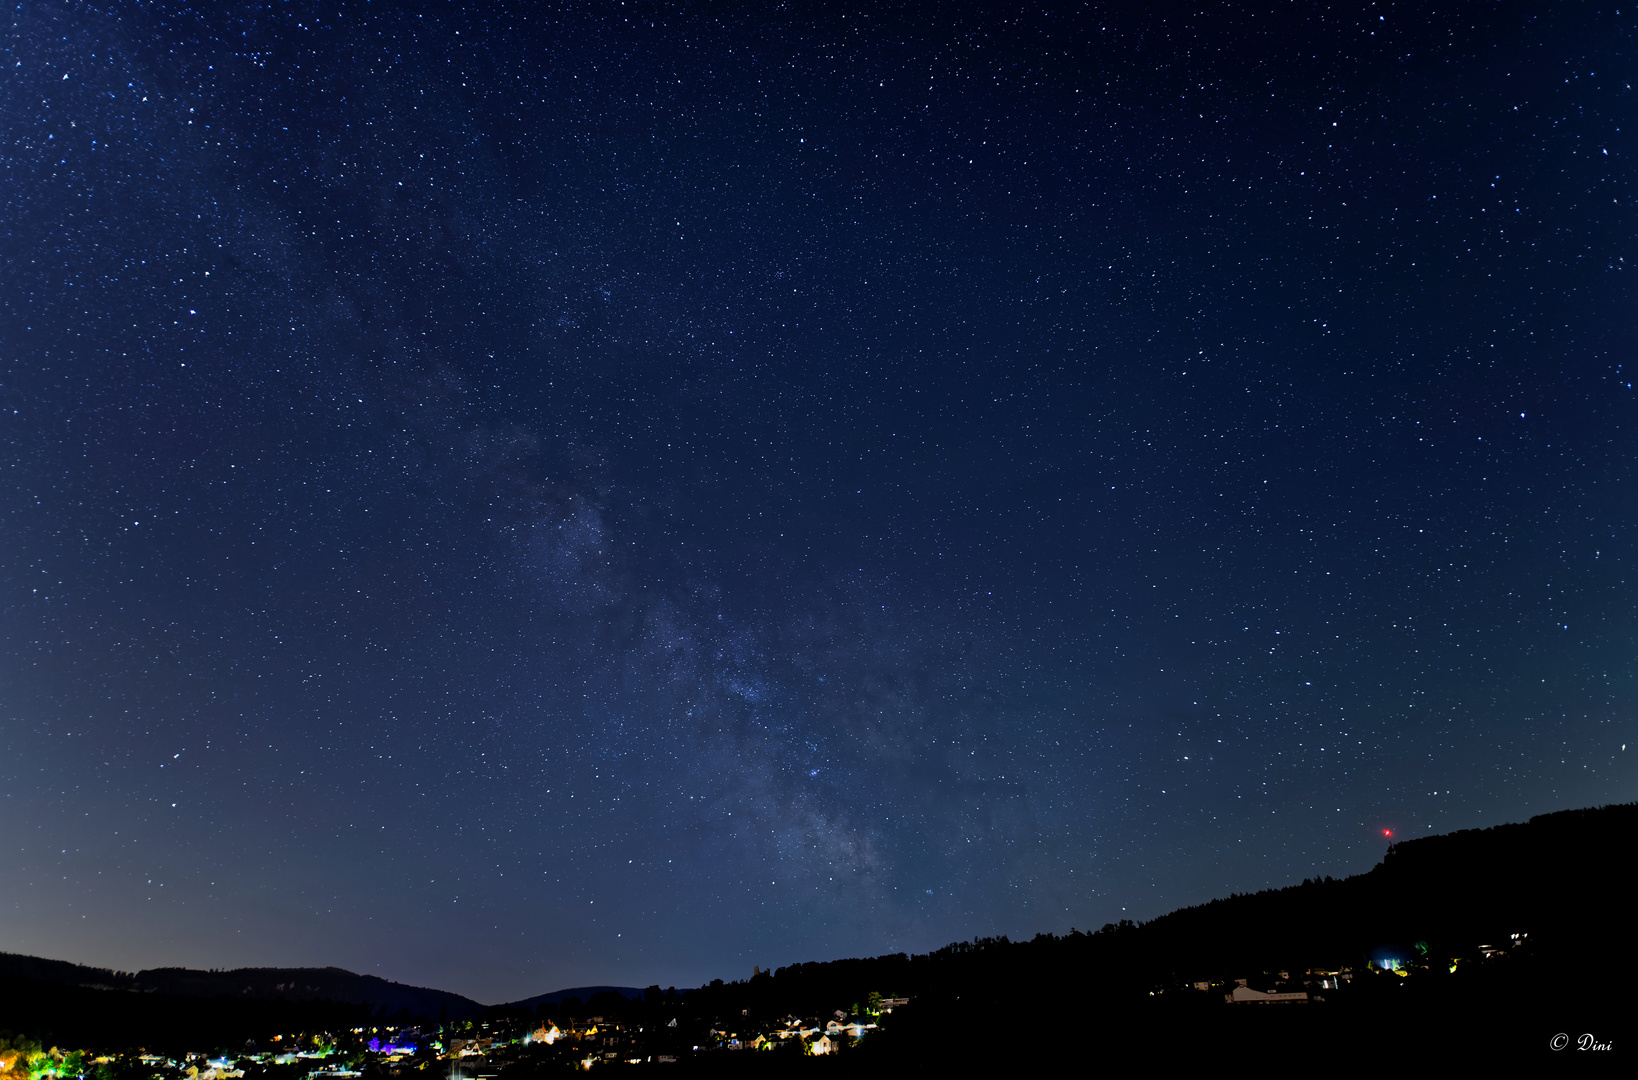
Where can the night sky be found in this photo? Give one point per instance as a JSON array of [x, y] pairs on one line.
[[510, 498]]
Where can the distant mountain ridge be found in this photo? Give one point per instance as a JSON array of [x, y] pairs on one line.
[[331, 984], [16, 967], [328, 984], [311, 984], [584, 993]]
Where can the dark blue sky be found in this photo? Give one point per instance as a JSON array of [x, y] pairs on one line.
[[507, 498]]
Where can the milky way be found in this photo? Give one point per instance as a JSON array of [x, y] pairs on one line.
[[514, 498]]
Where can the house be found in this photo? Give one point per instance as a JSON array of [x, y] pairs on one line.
[[1245, 995], [822, 1045]]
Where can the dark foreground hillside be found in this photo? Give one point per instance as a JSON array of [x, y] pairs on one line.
[[1560, 881]]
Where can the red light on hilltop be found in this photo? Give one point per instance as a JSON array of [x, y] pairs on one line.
[[1387, 832]]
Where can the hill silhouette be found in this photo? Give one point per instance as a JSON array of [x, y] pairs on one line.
[[581, 993], [1432, 905], [331, 984], [182, 1008]]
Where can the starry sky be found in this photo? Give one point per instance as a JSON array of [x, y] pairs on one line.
[[506, 497]]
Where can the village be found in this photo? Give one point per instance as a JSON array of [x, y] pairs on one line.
[[485, 1049], [514, 1045]]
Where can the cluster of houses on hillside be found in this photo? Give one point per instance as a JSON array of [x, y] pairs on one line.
[[1305, 987], [816, 1038], [813, 1035]]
